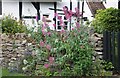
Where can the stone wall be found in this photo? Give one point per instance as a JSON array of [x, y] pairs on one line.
[[97, 40], [14, 49]]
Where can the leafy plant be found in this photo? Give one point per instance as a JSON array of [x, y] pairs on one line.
[[107, 19], [11, 25], [64, 53]]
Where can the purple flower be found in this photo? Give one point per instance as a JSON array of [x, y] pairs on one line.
[[43, 19], [42, 43], [48, 33], [46, 65], [51, 60], [77, 25], [36, 18], [56, 14], [54, 25], [48, 46]]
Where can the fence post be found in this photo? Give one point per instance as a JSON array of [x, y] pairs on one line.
[[106, 46], [118, 41], [113, 49]]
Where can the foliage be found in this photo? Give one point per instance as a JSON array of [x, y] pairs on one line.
[[70, 52], [63, 53], [102, 68], [11, 25], [107, 19]]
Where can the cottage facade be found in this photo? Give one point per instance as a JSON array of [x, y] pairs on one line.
[[28, 9]]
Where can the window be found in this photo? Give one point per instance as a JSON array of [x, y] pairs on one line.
[[66, 23], [0, 7]]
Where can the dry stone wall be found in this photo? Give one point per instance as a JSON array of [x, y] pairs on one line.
[[14, 48], [97, 40]]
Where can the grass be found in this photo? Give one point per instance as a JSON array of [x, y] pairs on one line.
[[5, 72]]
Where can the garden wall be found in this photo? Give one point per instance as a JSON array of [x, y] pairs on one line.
[[14, 49], [97, 40]]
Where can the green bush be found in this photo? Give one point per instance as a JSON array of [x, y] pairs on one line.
[[108, 19], [11, 25]]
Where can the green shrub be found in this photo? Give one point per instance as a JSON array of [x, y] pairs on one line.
[[11, 25], [108, 19]]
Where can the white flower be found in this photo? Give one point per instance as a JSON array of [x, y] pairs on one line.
[[45, 29], [40, 22], [24, 41], [24, 68], [56, 40], [25, 61], [29, 35], [29, 44], [35, 30], [37, 51]]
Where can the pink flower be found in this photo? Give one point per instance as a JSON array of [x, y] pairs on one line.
[[62, 31], [46, 65], [44, 33], [36, 18], [70, 13], [77, 25], [43, 19], [59, 17], [72, 28], [65, 8], [48, 47], [54, 25], [77, 10], [51, 60], [48, 33], [56, 14], [42, 43]]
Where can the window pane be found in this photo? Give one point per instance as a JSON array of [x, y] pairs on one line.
[[58, 22], [59, 27], [65, 23]]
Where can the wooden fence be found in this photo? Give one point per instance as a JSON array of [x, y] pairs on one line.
[[111, 48]]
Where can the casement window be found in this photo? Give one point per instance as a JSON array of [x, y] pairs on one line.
[[66, 23], [0, 7]]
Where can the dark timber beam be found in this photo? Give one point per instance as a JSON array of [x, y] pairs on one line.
[[55, 11], [37, 7], [78, 5], [20, 10], [70, 9], [82, 8]]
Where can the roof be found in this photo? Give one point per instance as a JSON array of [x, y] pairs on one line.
[[94, 6]]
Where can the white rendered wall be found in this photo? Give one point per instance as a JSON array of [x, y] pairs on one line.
[[111, 3], [11, 8]]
